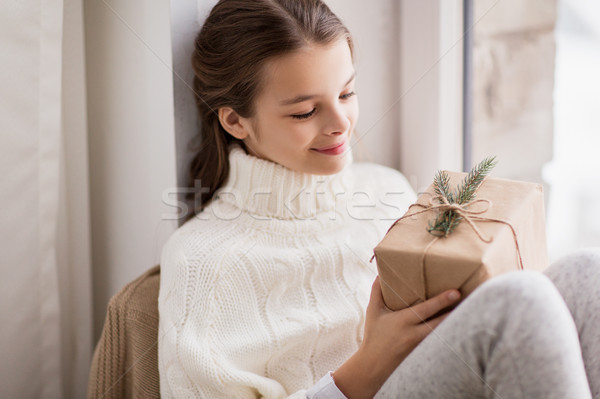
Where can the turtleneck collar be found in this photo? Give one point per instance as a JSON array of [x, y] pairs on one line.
[[268, 189]]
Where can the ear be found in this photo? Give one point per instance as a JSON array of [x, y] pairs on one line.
[[232, 123]]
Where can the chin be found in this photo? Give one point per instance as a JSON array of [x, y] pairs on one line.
[[331, 169]]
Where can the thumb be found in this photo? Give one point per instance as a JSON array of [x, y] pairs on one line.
[[376, 301]]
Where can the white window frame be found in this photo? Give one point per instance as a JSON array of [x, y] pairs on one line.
[[431, 85]]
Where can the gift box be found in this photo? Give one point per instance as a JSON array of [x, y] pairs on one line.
[[501, 231]]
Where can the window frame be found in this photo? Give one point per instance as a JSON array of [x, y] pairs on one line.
[[431, 87]]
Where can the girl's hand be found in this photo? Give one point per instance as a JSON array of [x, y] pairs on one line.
[[389, 338]]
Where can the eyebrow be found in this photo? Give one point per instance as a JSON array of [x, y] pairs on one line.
[[304, 97]]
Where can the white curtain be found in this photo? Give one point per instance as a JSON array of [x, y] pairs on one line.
[[45, 313], [87, 156]]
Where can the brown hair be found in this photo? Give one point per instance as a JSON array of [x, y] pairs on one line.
[[236, 40]]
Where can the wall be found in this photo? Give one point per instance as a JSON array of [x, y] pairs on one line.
[[185, 16], [74, 249], [375, 28], [131, 139]]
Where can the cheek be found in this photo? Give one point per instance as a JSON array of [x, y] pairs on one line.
[[286, 134], [355, 112], [303, 133]]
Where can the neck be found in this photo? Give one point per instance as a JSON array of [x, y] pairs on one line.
[[267, 189]]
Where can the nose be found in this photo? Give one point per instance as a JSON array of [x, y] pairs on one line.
[[337, 122]]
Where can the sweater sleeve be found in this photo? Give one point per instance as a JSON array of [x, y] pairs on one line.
[[325, 388], [192, 363]]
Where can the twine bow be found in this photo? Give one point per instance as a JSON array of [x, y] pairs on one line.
[[460, 209], [467, 214]]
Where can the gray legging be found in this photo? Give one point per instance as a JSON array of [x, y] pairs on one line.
[[521, 335]]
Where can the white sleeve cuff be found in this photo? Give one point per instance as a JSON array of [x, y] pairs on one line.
[[325, 388]]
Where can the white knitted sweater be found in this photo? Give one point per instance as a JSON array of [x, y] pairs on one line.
[[265, 291]]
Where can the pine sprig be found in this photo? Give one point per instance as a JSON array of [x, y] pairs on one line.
[[447, 221], [466, 191], [441, 185]]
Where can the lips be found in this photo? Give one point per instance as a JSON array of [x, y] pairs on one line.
[[335, 149], [330, 147]]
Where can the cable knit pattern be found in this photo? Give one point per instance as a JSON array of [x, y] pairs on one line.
[[265, 291]]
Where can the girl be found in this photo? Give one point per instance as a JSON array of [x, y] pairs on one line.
[[267, 290]]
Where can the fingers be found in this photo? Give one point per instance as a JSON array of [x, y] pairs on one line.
[[433, 323], [427, 327], [424, 310]]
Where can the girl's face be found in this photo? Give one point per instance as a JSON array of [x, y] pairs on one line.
[[305, 112]]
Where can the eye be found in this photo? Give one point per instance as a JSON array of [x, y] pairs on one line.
[[347, 95], [305, 116]]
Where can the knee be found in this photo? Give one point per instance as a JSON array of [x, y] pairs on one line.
[[517, 288], [583, 263], [518, 283], [515, 298], [591, 254], [577, 277]]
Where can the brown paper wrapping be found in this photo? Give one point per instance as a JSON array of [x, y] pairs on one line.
[[462, 260]]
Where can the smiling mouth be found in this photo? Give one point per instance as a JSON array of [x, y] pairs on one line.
[[334, 150], [330, 148]]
